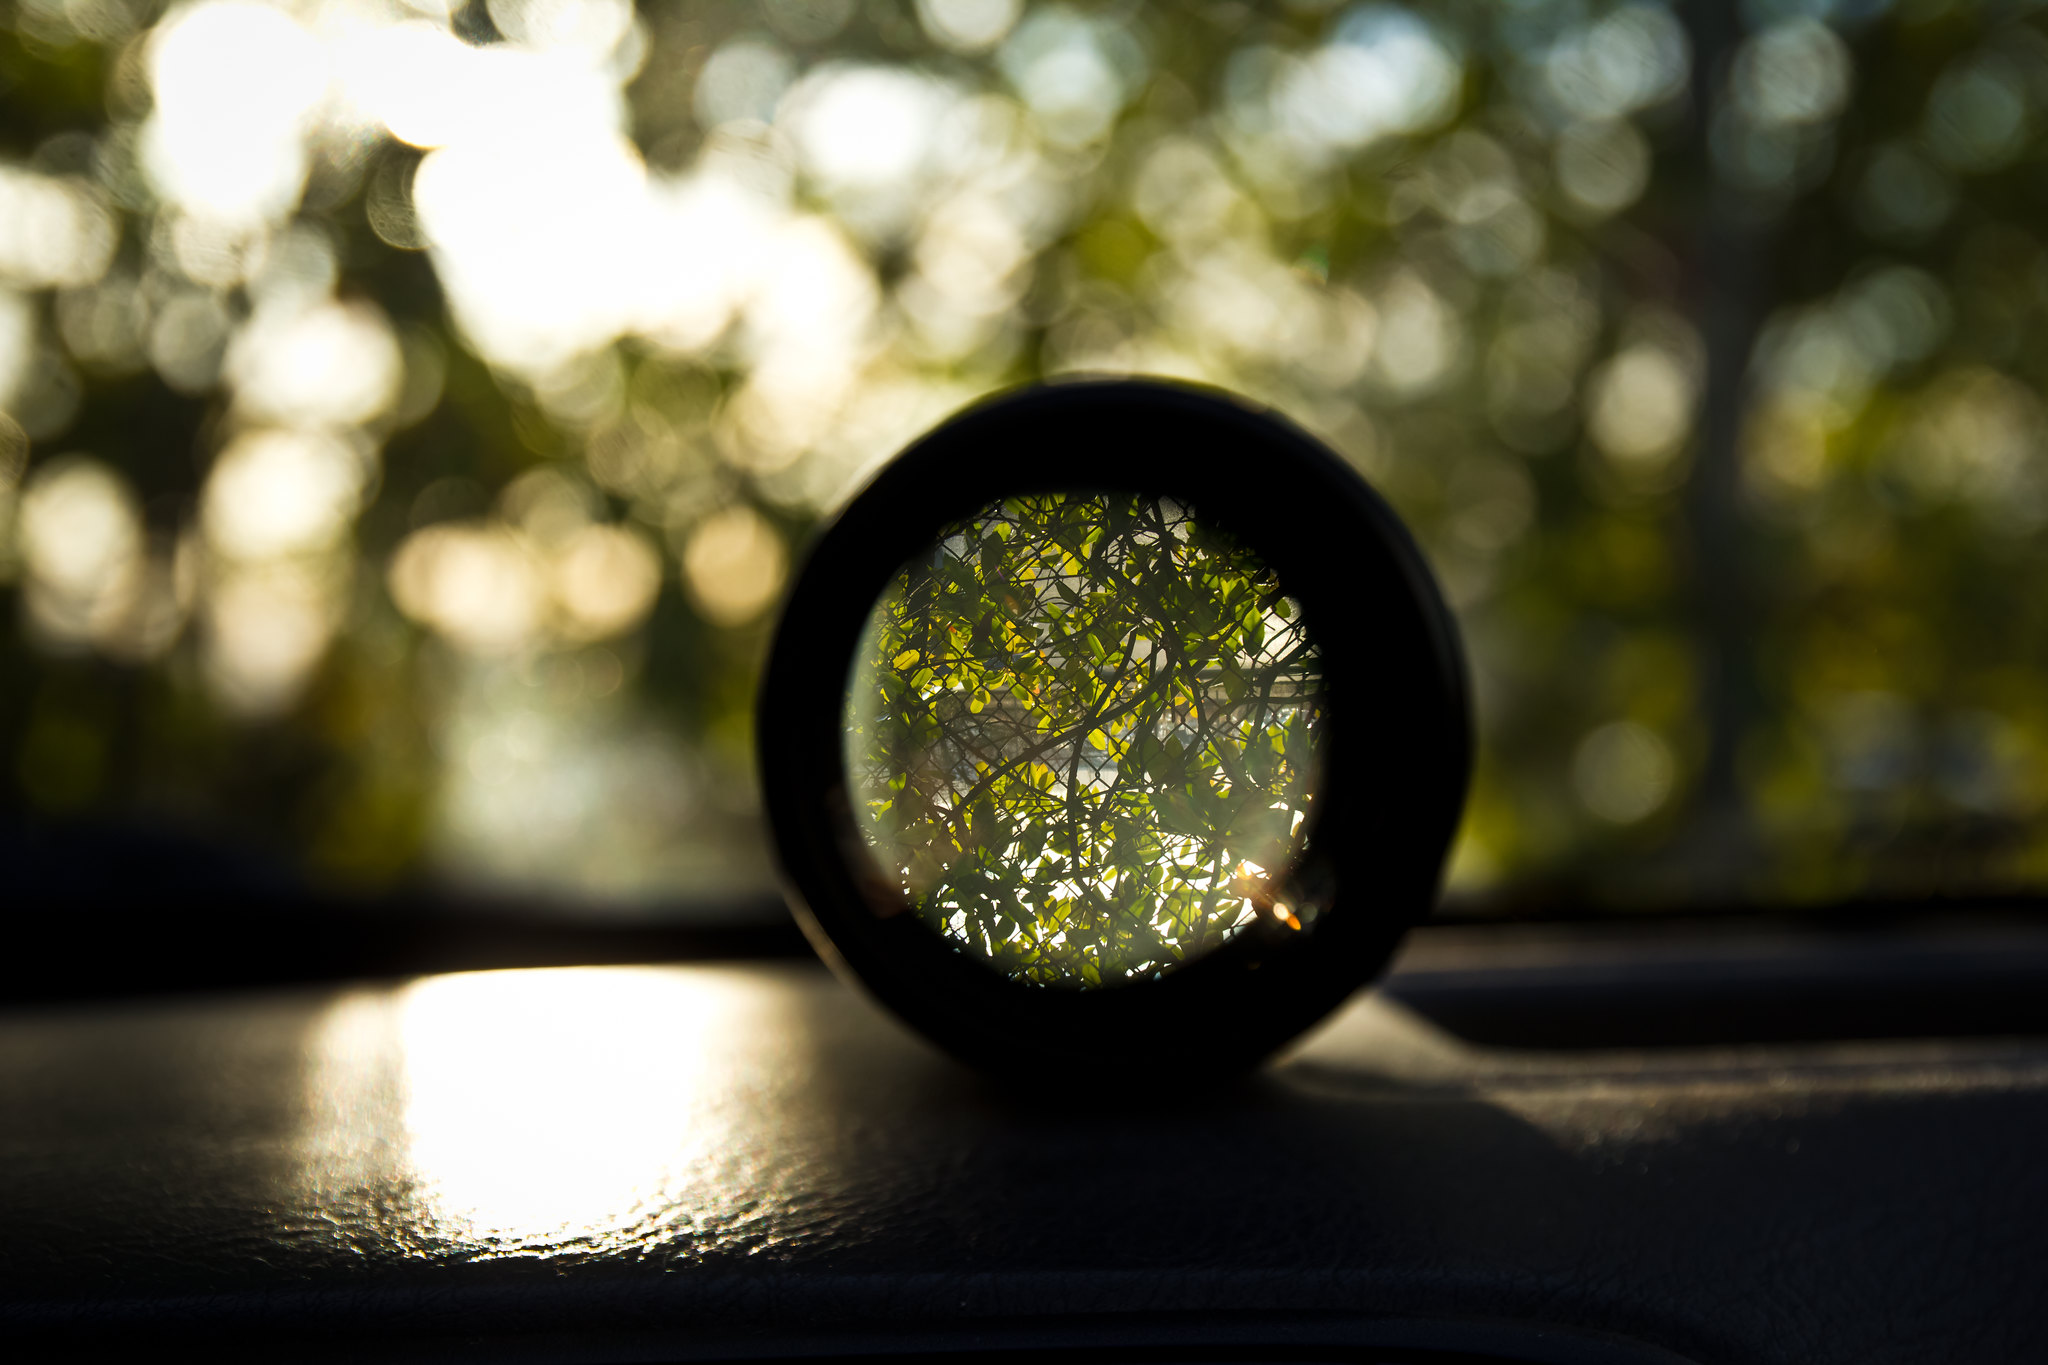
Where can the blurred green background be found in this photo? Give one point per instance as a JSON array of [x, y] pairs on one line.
[[412, 414]]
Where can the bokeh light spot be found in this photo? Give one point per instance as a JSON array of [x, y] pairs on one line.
[[734, 564], [1623, 772]]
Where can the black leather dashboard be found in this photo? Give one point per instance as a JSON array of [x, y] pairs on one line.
[[747, 1160]]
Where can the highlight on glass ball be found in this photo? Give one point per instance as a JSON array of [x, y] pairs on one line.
[[1118, 720], [1082, 737]]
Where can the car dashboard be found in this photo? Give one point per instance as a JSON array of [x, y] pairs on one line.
[[748, 1160]]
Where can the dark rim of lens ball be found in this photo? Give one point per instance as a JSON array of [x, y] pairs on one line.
[[1396, 748]]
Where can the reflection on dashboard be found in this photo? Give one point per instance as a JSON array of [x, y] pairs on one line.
[[568, 1112]]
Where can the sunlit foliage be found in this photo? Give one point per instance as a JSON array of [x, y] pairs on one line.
[[411, 409], [1083, 735]]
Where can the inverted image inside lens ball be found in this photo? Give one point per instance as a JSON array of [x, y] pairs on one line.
[[1082, 735], [1113, 720]]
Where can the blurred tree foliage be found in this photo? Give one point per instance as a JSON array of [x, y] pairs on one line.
[[1084, 735], [410, 411]]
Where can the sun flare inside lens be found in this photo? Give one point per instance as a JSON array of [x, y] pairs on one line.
[[1083, 738]]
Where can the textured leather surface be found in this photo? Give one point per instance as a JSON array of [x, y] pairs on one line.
[[665, 1162]]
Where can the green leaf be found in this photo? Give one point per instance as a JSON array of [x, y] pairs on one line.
[[1172, 761], [1178, 813], [1259, 763], [1136, 842]]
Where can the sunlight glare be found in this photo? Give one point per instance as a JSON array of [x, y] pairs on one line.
[[968, 25], [1383, 73], [431, 89], [52, 231], [539, 1113], [1075, 72], [268, 626], [471, 582], [865, 128], [718, 236], [332, 364], [605, 579], [543, 1107], [236, 85], [423, 83], [80, 540], [543, 245], [734, 565], [276, 493], [591, 26]]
